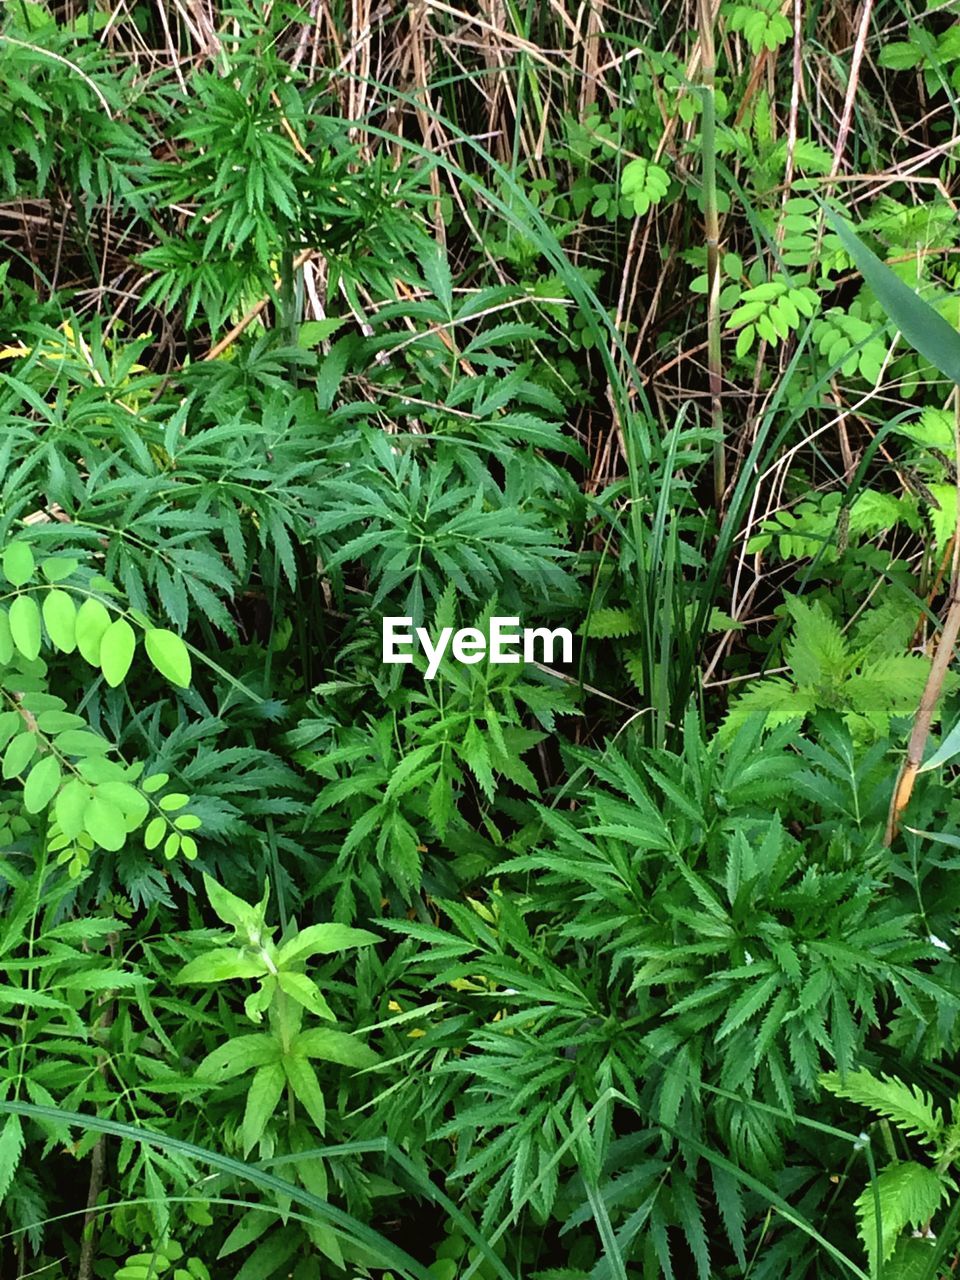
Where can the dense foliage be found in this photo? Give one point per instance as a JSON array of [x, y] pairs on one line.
[[640, 321]]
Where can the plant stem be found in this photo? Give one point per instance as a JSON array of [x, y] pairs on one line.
[[934, 686], [711, 216], [288, 297]]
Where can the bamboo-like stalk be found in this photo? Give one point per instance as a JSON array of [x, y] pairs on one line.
[[708, 170]]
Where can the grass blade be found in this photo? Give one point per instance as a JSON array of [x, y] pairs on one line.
[[920, 323]]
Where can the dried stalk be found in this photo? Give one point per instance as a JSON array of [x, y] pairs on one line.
[[934, 686]]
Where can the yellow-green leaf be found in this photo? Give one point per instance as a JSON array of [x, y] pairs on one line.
[[60, 619], [92, 622], [116, 651], [307, 993], [25, 626], [18, 563], [6, 639], [20, 751], [169, 655], [69, 809], [41, 784], [104, 822]]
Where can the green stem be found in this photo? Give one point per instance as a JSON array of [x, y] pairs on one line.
[[288, 298], [712, 228]]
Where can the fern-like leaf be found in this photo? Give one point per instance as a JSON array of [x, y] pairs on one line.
[[906, 1105], [908, 1195]]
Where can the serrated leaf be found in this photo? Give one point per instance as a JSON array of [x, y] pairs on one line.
[[306, 1087], [262, 1099], [237, 1056], [906, 1105], [11, 1149], [909, 1195], [325, 940], [221, 965], [335, 1046], [306, 993], [229, 908]]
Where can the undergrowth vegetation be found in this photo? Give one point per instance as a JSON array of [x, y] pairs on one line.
[[640, 321]]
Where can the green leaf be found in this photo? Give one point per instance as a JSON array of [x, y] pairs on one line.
[[6, 639], [909, 1194], [749, 1003], [920, 323], [169, 655], [10, 723], [237, 1056], [262, 1099], [57, 721], [18, 564], [25, 626], [906, 1105], [154, 832], [20, 751], [60, 619], [900, 56], [948, 749], [116, 651], [97, 769], [279, 1189], [56, 568], [269, 1256], [325, 940], [81, 742], [222, 965], [306, 1087], [104, 822], [306, 993], [313, 332], [335, 1046], [229, 908], [92, 621], [11, 1149], [70, 807], [125, 796], [42, 784]]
